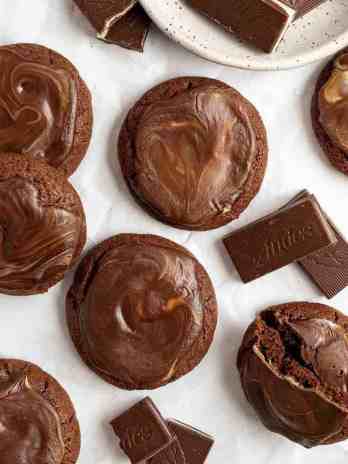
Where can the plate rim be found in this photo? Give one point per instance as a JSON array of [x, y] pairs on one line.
[[305, 58]]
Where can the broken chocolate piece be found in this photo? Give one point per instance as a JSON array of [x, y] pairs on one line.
[[121, 22], [195, 444]]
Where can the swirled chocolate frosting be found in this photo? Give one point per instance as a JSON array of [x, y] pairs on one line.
[[36, 242], [194, 154], [298, 386], [37, 108], [333, 104], [30, 429], [142, 313]]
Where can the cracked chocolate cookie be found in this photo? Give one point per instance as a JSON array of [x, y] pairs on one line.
[[141, 311], [42, 225], [45, 107], [293, 364], [193, 152], [37, 417], [330, 111]]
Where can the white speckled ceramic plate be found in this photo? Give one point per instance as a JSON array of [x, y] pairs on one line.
[[319, 34]]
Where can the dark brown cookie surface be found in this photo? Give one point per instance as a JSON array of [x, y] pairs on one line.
[[42, 225], [293, 364], [193, 152], [141, 311], [45, 107], [330, 111], [38, 420]]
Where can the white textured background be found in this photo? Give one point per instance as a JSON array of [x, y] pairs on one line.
[[34, 328]]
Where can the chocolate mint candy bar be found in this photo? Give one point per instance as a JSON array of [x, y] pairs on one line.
[[142, 432], [279, 239], [260, 22]]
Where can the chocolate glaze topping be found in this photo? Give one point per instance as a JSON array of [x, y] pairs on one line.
[[325, 348], [36, 242], [30, 429], [194, 154], [333, 104], [37, 108], [142, 312]]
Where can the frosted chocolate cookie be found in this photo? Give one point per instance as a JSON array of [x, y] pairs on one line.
[[193, 152], [141, 311], [330, 111], [293, 364], [45, 107], [42, 225], [38, 420]]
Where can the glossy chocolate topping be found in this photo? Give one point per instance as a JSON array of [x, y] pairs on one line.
[[37, 108], [325, 348], [30, 429], [36, 242], [194, 154], [333, 104], [286, 408], [142, 312]]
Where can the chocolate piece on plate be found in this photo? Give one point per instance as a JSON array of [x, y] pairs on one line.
[[279, 239], [142, 431], [195, 444], [260, 22]]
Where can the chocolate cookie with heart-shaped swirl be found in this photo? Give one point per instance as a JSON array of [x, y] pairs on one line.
[[45, 106], [193, 152], [141, 311], [42, 225]]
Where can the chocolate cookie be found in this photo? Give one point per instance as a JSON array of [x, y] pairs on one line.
[[38, 420], [42, 225], [141, 311], [293, 364], [45, 107], [193, 152], [330, 111]]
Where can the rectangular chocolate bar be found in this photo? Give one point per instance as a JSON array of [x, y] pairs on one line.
[[142, 431], [328, 268], [279, 239], [195, 444], [263, 23]]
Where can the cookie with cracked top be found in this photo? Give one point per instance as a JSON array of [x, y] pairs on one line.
[[141, 311], [38, 420], [293, 365], [193, 152], [45, 107]]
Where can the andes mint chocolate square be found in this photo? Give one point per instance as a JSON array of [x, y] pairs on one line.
[[195, 444], [171, 454], [328, 268], [142, 431], [279, 239]]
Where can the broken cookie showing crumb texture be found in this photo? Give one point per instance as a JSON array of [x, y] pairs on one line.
[[293, 364], [120, 22], [38, 421]]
